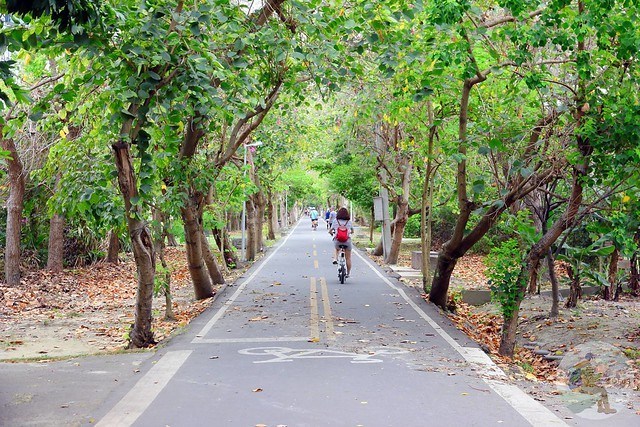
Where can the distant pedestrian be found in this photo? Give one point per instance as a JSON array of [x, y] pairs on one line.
[[332, 216]]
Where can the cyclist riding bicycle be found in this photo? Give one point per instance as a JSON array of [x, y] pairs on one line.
[[343, 219], [314, 218]]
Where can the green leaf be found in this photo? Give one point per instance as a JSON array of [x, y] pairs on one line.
[[604, 251], [478, 186]]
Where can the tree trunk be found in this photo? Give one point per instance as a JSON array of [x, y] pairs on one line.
[[575, 290], [141, 334], [634, 274], [15, 206], [508, 335], [272, 223], [160, 232], [426, 211], [114, 247], [250, 249], [260, 202], [210, 260], [607, 292], [555, 286], [171, 240], [441, 278], [283, 212], [224, 245], [402, 214], [199, 275], [372, 225], [452, 250], [55, 253]]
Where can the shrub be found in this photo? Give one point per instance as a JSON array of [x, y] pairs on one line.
[[412, 229], [504, 268]]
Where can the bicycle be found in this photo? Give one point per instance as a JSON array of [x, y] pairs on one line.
[[314, 224], [342, 264]]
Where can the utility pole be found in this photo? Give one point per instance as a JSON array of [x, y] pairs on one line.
[[384, 195]]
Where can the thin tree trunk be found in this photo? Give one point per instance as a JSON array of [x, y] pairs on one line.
[[272, 223], [171, 240], [114, 247], [634, 275], [160, 232], [612, 276], [224, 245], [555, 286], [372, 225], [426, 205], [575, 290], [202, 285], [283, 212], [260, 201], [55, 253], [210, 260], [15, 206]]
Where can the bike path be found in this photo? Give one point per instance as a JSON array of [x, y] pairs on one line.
[[291, 346]]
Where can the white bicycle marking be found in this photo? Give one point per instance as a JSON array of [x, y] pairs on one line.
[[285, 354]]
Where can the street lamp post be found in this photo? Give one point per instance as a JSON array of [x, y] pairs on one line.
[[243, 220]]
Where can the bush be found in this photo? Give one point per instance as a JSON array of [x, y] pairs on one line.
[[412, 229], [504, 265]]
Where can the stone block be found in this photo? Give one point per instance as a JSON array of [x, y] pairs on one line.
[[416, 260]]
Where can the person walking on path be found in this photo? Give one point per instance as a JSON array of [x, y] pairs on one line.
[[332, 216], [327, 214], [343, 219]]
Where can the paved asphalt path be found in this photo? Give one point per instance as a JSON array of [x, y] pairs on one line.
[[288, 345]]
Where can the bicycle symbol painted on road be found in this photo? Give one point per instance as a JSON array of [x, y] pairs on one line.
[[285, 354]]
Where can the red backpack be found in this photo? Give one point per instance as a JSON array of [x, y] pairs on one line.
[[342, 233]]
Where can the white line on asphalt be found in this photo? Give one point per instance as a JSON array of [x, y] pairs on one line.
[[236, 294], [534, 412], [251, 340], [134, 403]]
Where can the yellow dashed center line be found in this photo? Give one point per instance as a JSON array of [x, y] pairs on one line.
[[326, 303], [315, 319]]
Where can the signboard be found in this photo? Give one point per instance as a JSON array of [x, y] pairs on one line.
[[377, 209]]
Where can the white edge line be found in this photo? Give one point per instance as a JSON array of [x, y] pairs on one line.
[[138, 399], [237, 293], [249, 340], [533, 411]]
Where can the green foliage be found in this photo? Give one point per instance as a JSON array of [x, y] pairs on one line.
[[161, 281], [355, 182], [506, 266], [506, 278], [412, 229], [584, 261], [632, 353]]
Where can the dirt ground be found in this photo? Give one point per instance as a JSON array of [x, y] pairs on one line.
[[87, 310]]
